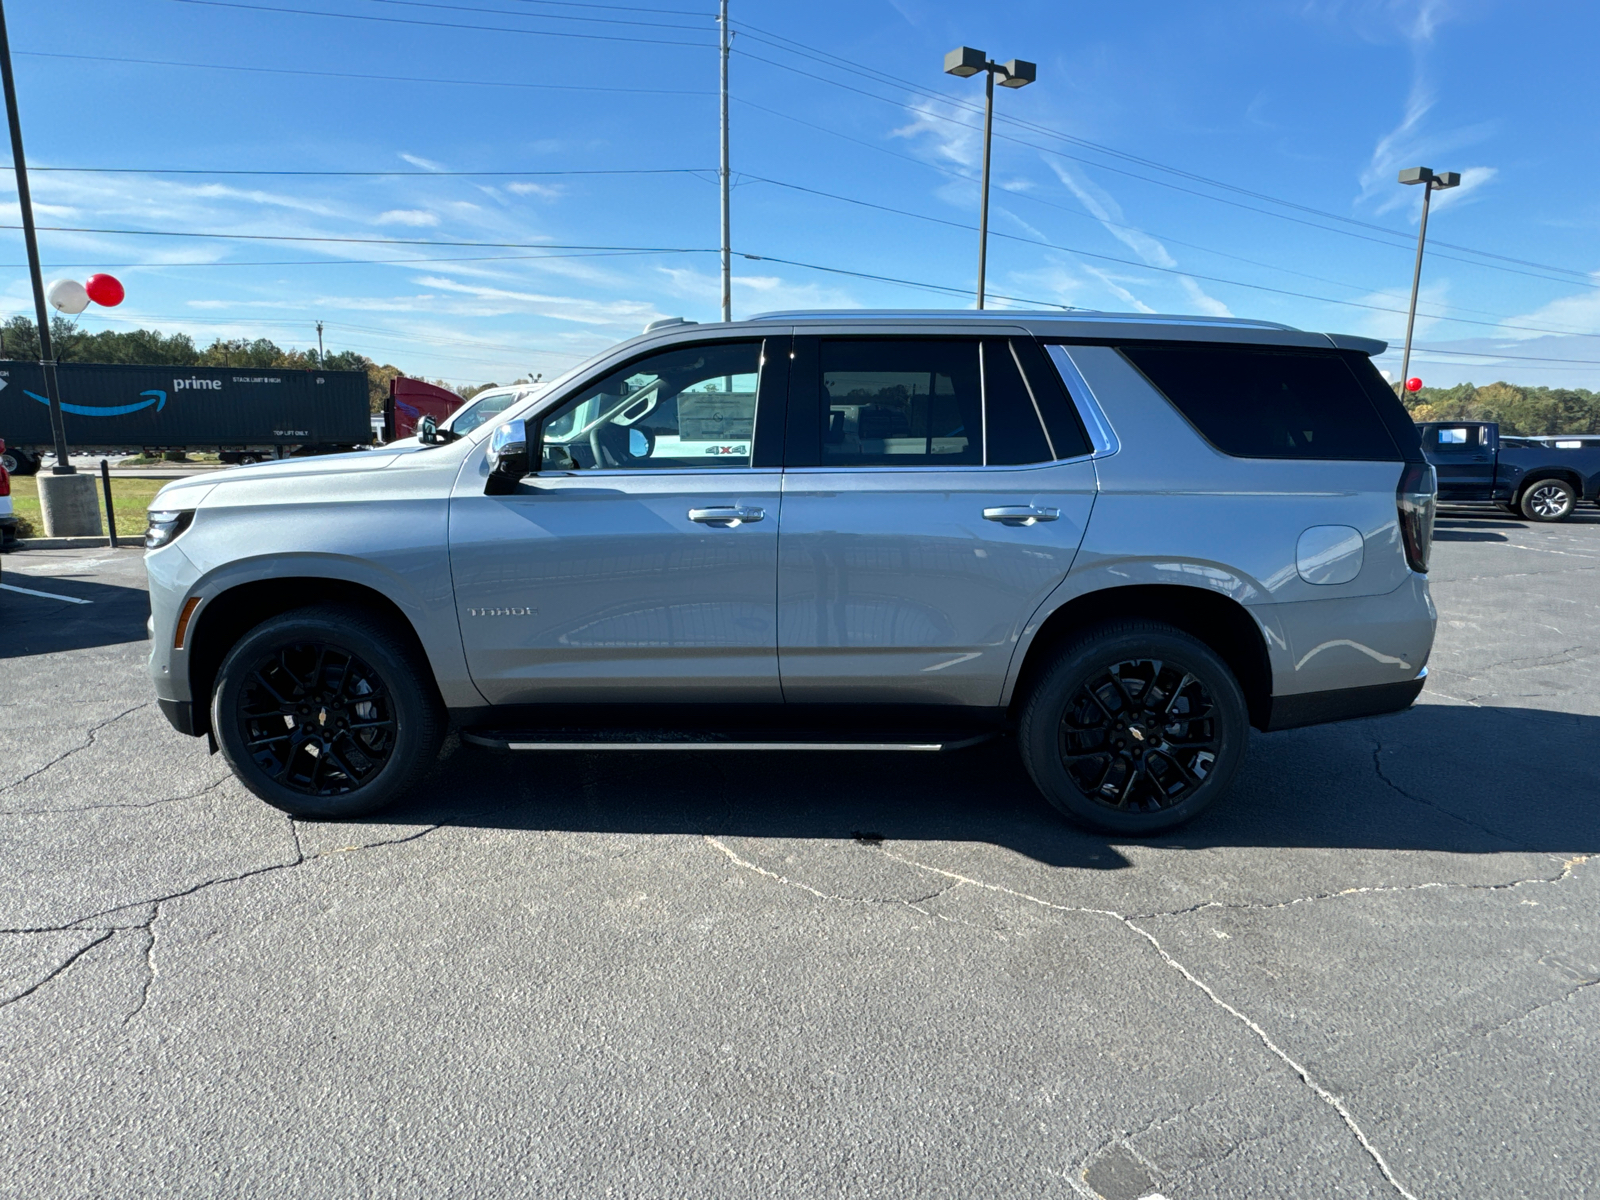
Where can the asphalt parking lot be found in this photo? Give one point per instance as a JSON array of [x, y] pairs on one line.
[[1371, 972]]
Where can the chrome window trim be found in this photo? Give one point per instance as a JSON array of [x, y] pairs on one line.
[[877, 468], [1101, 435], [649, 472]]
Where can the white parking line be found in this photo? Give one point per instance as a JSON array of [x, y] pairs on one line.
[[11, 587]]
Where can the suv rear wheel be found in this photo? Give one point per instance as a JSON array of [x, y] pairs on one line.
[[1548, 500], [1136, 728], [324, 712]]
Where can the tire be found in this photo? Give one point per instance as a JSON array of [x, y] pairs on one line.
[[1141, 777], [326, 751], [1548, 500], [10, 461], [27, 464]]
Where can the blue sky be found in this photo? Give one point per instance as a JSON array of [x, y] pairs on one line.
[[1173, 157]]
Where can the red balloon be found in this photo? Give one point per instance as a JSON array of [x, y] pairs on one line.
[[1412, 385], [104, 289]]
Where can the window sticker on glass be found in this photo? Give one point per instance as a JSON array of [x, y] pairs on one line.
[[1452, 437], [687, 408]]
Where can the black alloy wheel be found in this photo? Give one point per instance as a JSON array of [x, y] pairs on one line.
[[1140, 736], [1136, 728], [1548, 500], [316, 719], [325, 712]]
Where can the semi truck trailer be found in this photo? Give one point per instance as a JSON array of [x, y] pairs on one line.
[[242, 414]]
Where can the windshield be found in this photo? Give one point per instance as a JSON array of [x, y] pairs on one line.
[[480, 410]]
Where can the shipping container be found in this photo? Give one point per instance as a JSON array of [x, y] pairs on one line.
[[241, 413]]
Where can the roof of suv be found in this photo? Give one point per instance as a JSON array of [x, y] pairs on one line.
[[1082, 323]]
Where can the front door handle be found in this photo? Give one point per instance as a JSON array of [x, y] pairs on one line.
[[727, 518], [1021, 514]]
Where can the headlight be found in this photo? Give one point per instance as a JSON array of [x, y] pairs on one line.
[[165, 526]]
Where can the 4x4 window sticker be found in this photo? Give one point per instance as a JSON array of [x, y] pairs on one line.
[[1102, 437]]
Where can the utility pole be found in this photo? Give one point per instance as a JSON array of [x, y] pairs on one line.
[[47, 362], [319, 344], [1431, 183], [727, 248]]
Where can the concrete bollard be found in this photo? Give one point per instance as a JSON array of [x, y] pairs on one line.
[[71, 507]]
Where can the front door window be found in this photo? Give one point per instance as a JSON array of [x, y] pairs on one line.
[[687, 409]]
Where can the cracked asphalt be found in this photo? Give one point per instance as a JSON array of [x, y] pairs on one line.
[[1370, 972]]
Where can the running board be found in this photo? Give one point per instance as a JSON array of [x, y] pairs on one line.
[[585, 741]]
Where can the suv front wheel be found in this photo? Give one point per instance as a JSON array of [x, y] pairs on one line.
[[324, 712], [1136, 728]]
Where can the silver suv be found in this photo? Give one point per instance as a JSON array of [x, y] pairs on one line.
[[1122, 540]]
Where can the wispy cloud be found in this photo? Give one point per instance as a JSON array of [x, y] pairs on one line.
[[756, 292], [1105, 209], [939, 131], [1412, 141], [415, 217], [545, 191], [425, 163]]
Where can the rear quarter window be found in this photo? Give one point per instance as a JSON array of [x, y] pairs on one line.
[[1267, 402]]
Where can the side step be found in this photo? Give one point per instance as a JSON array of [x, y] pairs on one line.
[[662, 739]]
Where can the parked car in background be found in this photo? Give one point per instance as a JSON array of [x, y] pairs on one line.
[[483, 407], [1123, 540], [1542, 479]]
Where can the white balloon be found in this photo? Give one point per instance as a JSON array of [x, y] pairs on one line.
[[68, 296]]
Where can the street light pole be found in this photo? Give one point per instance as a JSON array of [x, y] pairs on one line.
[[983, 204], [1431, 183], [964, 61], [47, 361], [727, 249]]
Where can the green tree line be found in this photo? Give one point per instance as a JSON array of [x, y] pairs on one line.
[[1519, 410], [19, 339]]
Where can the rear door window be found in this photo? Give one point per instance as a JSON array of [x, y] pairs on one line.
[[901, 402], [921, 402], [1267, 402]]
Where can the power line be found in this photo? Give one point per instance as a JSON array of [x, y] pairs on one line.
[[313, 12], [365, 174], [814, 191], [533, 16], [676, 12], [1567, 273], [1151, 266], [387, 79], [910, 283], [839, 62], [345, 262], [286, 237]]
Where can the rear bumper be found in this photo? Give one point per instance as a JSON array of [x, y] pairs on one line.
[[1343, 704]]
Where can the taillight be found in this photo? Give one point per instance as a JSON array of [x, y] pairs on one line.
[[1416, 498]]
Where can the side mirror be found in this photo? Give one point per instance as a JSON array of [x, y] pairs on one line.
[[429, 433], [508, 458]]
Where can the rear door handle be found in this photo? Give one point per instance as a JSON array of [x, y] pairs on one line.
[[1021, 514], [729, 518]]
